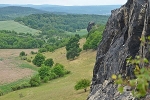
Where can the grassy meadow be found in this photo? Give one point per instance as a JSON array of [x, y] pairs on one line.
[[61, 88], [15, 26]]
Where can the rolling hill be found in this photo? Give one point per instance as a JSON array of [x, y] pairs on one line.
[[98, 10], [11, 12], [61, 88]]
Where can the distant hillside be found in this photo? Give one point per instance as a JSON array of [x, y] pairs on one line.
[[11, 12], [98, 10]]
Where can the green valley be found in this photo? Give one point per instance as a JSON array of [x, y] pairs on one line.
[[44, 55]]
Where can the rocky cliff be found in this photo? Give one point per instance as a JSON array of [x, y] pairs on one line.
[[121, 39]]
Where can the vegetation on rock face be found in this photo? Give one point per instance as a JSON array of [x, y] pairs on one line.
[[72, 47], [140, 84], [94, 37], [82, 84]]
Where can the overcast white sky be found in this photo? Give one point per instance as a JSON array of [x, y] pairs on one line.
[[65, 2]]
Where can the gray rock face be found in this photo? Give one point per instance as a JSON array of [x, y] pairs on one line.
[[121, 39], [90, 25]]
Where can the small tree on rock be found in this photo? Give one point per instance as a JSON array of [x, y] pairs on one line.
[[82, 84]]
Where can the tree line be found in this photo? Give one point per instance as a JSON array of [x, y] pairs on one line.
[[59, 23], [13, 40]]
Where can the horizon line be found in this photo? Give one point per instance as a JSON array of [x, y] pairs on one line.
[[63, 5]]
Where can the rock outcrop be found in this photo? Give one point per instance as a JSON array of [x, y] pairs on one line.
[[90, 25], [121, 39]]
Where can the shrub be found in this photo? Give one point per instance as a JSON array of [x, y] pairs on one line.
[[52, 76], [58, 69], [32, 52], [20, 86], [16, 87], [46, 79], [22, 53], [82, 84], [23, 58], [35, 81], [1, 93], [38, 60], [49, 62], [67, 72], [44, 71], [28, 60], [42, 50], [25, 85]]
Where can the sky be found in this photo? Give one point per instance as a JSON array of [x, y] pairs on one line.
[[65, 2]]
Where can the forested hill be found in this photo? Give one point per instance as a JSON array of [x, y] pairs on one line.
[[98, 10], [57, 28], [12, 12], [54, 23]]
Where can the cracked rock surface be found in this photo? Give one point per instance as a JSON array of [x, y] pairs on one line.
[[121, 39]]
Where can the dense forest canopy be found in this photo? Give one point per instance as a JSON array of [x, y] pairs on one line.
[[55, 26], [54, 30], [60, 23], [13, 40]]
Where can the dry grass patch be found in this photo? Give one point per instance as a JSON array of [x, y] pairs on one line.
[[61, 88], [9, 66]]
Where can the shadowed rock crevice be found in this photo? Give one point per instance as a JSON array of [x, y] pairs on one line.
[[121, 39]]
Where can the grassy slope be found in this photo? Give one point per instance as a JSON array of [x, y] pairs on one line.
[[81, 32], [12, 25], [62, 88]]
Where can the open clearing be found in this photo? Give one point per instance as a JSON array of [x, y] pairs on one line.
[[61, 88], [15, 26], [9, 66]]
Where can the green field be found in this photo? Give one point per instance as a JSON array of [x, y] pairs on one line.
[[15, 26], [82, 32], [61, 88]]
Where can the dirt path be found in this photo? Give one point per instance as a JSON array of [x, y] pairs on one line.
[[9, 70]]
